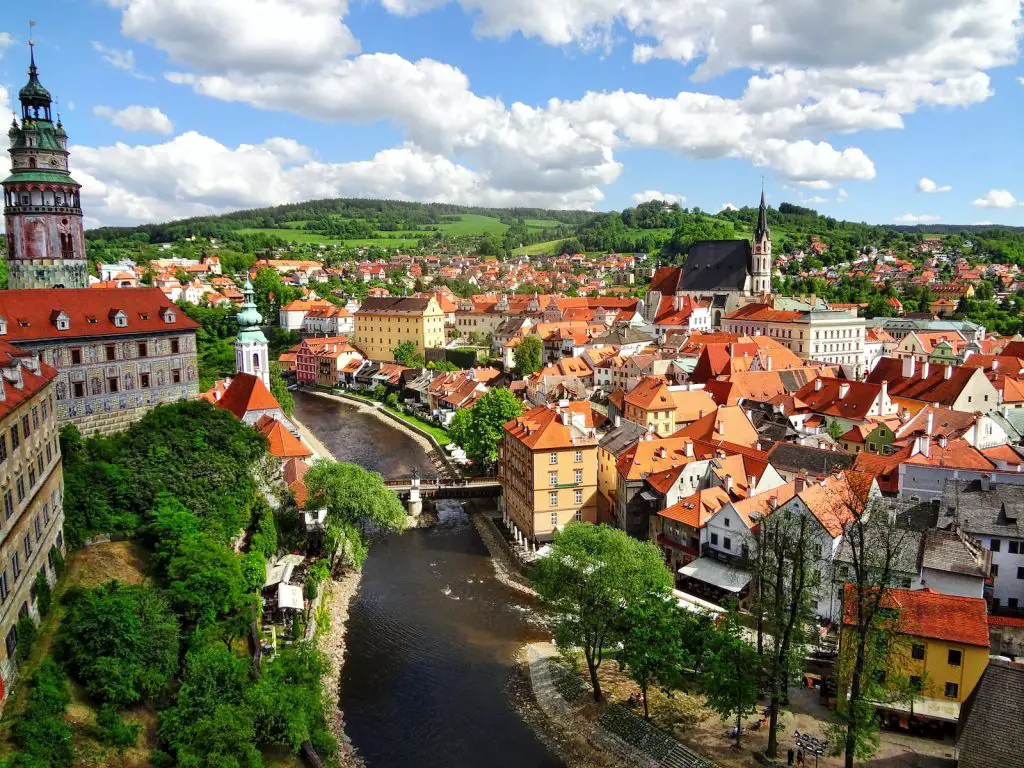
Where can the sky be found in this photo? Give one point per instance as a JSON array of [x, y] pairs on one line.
[[886, 111]]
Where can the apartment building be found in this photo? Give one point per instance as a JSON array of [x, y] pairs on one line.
[[32, 489], [385, 322], [547, 464]]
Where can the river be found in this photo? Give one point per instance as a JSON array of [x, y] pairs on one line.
[[432, 633]]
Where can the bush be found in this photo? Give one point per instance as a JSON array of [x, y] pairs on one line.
[[264, 537], [44, 595], [113, 731], [254, 571], [58, 560], [298, 627], [41, 734], [27, 633]]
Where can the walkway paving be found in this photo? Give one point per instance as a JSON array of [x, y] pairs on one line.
[[648, 747]]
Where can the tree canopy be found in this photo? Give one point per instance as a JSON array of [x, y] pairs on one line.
[[479, 429], [528, 356]]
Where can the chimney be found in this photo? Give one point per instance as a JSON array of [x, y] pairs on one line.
[[800, 482], [813, 297], [817, 384], [662, 453], [773, 502], [648, 436], [943, 441], [885, 391], [767, 362], [924, 445], [618, 421], [925, 368], [948, 373], [688, 448], [929, 423], [909, 365], [986, 482], [720, 427], [751, 483], [844, 389], [995, 364], [728, 483]]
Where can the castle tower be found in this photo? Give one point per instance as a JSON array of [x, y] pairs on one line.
[[761, 271], [42, 209], [251, 345]]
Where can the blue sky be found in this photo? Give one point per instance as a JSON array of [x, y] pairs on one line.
[[896, 110]]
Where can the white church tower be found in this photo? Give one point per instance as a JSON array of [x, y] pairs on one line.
[[251, 354], [761, 269]]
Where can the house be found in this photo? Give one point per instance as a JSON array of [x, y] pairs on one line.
[[988, 715], [662, 408], [912, 385], [247, 397], [292, 314], [328, 321], [944, 648], [385, 323]]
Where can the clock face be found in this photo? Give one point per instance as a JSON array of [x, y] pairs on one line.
[[53, 161]]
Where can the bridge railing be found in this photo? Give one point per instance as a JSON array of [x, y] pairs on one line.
[[430, 482]]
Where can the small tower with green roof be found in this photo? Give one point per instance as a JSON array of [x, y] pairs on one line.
[[42, 206], [251, 345]]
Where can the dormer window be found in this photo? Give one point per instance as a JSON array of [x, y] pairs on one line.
[[3, 326], [60, 319], [91, 319], [169, 315], [119, 318]]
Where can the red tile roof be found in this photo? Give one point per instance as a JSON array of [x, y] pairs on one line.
[[247, 393], [32, 313], [31, 383], [924, 613], [282, 443]]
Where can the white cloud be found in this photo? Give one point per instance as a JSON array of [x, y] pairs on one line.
[[916, 218], [1020, 80], [5, 41], [817, 200], [842, 195], [193, 175], [652, 194], [996, 198], [136, 118], [816, 184], [726, 207], [118, 58], [983, 223], [924, 184]]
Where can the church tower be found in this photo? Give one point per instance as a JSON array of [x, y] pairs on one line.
[[42, 209], [251, 345], [761, 271]]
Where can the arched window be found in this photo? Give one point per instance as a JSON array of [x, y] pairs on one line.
[[255, 361], [31, 162]]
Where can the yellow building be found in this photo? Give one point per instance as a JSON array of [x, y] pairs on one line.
[[663, 409], [31, 489], [547, 464], [943, 650], [385, 322]]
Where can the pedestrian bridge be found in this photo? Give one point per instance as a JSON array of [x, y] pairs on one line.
[[445, 488]]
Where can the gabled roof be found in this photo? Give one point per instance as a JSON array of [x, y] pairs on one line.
[[717, 265], [728, 422], [545, 427], [247, 393], [992, 711], [924, 613], [840, 398], [20, 364], [281, 442], [697, 509]]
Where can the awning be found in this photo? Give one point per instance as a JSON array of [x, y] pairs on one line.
[[649, 495], [278, 573], [716, 573], [289, 596]]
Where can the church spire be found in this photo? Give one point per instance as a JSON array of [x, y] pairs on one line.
[[35, 99], [251, 353], [761, 230]]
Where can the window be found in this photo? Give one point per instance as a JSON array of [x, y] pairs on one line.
[[917, 651], [49, 456], [4, 589], [143, 349], [915, 683], [552, 478], [8, 505], [31, 476], [112, 384], [1020, 572], [1013, 547], [39, 528], [28, 546], [727, 543], [143, 379], [578, 496], [76, 357], [554, 519], [953, 657], [714, 539], [578, 476], [726, 522], [35, 417], [12, 642], [552, 458], [1011, 602], [16, 565], [25, 426], [995, 570], [15, 437], [21, 489], [176, 376], [111, 352], [44, 409], [175, 346], [994, 545], [553, 499], [579, 515], [579, 456], [78, 388], [952, 690], [3, 447], [46, 513]]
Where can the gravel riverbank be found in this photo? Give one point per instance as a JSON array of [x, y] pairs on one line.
[[332, 644]]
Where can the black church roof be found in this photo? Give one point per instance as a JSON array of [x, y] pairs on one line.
[[717, 265]]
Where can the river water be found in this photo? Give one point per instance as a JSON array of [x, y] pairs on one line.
[[432, 633]]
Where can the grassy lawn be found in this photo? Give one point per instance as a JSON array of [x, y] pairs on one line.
[[541, 223], [383, 242], [292, 235], [473, 224], [122, 561], [548, 246], [441, 435]]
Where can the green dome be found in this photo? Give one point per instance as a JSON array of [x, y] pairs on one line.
[[249, 318], [34, 92]]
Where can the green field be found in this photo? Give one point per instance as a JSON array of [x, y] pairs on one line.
[[382, 242], [473, 224], [292, 235], [541, 223], [548, 246]]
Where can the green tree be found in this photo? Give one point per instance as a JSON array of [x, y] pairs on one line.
[[486, 424], [205, 581], [405, 354], [120, 640], [730, 671], [660, 642], [528, 356], [355, 500], [279, 389], [591, 574], [835, 429], [42, 735]]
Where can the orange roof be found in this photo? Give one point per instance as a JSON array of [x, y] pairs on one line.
[[764, 503], [247, 393], [958, 454], [840, 397], [282, 443], [924, 613], [33, 313], [835, 501], [31, 383], [695, 510], [545, 427], [728, 422], [765, 313]]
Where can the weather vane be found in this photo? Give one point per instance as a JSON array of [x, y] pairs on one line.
[[31, 26]]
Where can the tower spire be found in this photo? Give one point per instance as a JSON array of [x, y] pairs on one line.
[[761, 230]]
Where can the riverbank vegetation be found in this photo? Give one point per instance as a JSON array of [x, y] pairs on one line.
[[161, 662]]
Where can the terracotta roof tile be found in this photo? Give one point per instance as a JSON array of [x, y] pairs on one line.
[[924, 613], [247, 393]]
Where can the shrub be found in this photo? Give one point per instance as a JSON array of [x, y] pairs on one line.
[[41, 734], [58, 560], [113, 731], [27, 632], [44, 595], [254, 571]]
